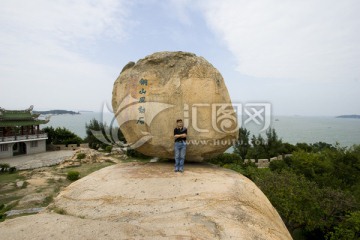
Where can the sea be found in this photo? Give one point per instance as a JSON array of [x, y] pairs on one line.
[[291, 129]]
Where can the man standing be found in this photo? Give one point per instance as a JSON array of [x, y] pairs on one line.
[[180, 133]]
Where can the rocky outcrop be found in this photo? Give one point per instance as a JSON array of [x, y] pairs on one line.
[[92, 156], [152, 93], [150, 201]]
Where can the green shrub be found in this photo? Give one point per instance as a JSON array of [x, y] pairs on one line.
[[108, 148], [226, 158], [81, 156], [73, 175], [12, 169], [348, 229], [4, 167], [60, 211], [278, 166], [136, 154], [61, 136]]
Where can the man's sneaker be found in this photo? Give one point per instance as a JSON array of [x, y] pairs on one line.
[[181, 170], [176, 170]]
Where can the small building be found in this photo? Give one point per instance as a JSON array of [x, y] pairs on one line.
[[20, 133]]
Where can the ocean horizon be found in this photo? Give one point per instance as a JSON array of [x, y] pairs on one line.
[[291, 129]]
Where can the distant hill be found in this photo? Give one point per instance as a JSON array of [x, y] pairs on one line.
[[56, 112], [349, 116]]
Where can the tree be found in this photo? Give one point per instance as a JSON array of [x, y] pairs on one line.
[[349, 229], [273, 145], [288, 148], [61, 136], [314, 166], [98, 134], [225, 158], [257, 150], [336, 168], [294, 197], [302, 204], [51, 134], [242, 145], [303, 146]]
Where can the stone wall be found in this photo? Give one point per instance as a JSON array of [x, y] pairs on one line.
[[5, 153], [264, 163], [58, 147], [32, 147]]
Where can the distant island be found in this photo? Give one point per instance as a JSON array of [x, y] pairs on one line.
[[349, 116], [56, 112]]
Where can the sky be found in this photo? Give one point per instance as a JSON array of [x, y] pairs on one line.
[[302, 57]]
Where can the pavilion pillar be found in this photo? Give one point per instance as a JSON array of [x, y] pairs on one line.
[[22, 130], [27, 132], [3, 132]]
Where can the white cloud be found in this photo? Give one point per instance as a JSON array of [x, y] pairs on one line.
[[45, 48], [306, 40], [180, 9], [63, 21]]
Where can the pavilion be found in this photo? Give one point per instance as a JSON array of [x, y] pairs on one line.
[[20, 133]]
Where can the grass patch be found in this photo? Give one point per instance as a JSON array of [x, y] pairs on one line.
[[48, 200], [5, 199], [40, 189], [4, 208], [135, 159], [50, 181], [57, 188], [60, 211], [24, 185], [86, 169], [10, 177], [9, 193]]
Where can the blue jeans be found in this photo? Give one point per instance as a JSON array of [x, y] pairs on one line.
[[180, 151]]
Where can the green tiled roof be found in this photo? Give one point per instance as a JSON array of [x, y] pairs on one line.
[[12, 118], [15, 116]]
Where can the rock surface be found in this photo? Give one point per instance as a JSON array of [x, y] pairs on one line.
[[150, 201], [150, 95], [92, 156]]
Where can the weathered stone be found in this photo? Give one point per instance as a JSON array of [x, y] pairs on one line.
[[263, 163], [32, 199], [150, 95], [24, 211], [20, 184], [117, 150], [150, 201]]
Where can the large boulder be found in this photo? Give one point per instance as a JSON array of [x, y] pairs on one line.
[[152, 93], [150, 201]]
